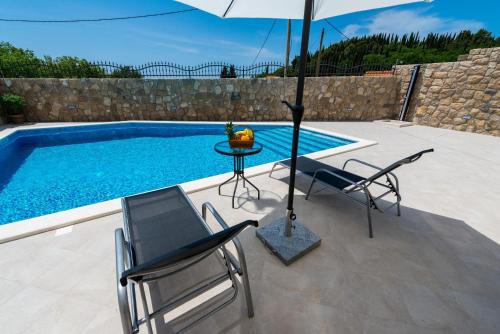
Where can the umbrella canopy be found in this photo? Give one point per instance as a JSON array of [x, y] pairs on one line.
[[288, 9]]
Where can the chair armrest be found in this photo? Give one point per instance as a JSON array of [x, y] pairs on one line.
[[239, 249], [361, 162], [370, 165], [207, 206], [194, 251]]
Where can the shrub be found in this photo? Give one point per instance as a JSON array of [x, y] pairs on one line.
[[12, 104], [126, 72], [228, 73]]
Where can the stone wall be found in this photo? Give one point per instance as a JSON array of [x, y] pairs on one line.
[[462, 95], [335, 98]]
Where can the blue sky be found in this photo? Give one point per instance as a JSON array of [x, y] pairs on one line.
[[196, 37]]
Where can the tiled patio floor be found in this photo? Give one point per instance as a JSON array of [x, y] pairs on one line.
[[435, 269]]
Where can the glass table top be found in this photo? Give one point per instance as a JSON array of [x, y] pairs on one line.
[[224, 148]]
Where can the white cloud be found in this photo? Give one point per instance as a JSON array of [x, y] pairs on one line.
[[226, 49], [176, 47], [407, 21], [352, 30], [250, 52], [243, 50]]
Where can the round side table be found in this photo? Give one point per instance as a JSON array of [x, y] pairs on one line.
[[238, 155]]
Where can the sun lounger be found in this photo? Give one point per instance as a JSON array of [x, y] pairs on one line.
[[348, 183], [167, 245]]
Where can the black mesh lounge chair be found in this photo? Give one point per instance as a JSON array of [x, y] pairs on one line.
[[168, 246], [349, 183]]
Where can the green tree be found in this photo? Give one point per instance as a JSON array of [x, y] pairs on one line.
[[16, 62], [126, 72], [265, 73], [232, 71], [389, 49], [224, 73], [70, 67]]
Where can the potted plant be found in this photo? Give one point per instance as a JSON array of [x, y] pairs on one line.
[[12, 105]]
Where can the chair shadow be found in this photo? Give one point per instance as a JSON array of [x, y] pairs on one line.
[[416, 253], [442, 255]]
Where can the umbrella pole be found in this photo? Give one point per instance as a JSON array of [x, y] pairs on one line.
[[278, 236], [297, 112]]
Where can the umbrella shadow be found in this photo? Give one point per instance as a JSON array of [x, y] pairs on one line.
[[423, 258]]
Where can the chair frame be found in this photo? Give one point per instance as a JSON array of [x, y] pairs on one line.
[[127, 294], [370, 201]]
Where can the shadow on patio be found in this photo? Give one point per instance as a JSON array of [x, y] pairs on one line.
[[422, 272]]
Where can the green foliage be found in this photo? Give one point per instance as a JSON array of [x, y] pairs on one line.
[[390, 49], [264, 74], [16, 62], [69, 67], [228, 73], [10, 57], [21, 63], [126, 72], [12, 104], [232, 71], [8, 52], [224, 73], [280, 72]]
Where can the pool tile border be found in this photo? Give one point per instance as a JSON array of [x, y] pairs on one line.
[[36, 225]]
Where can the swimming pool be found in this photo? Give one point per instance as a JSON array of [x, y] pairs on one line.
[[53, 169]]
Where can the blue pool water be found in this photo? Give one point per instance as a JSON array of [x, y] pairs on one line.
[[49, 170]]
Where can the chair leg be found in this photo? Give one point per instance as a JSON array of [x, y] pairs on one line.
[[398, 199], [272, 169], [246, 288], [244, 277], [368, 212], [146, 309], [370, 228], [310, 188]]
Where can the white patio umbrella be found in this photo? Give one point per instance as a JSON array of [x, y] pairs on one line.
[[278, 235]]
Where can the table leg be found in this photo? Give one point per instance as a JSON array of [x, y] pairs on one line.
[[243, 171], [223, 183], [239, 171], [235, 186], [245, 179], [235, 171]]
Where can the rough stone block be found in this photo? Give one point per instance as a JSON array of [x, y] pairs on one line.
[[439, 75], [474, 79]]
